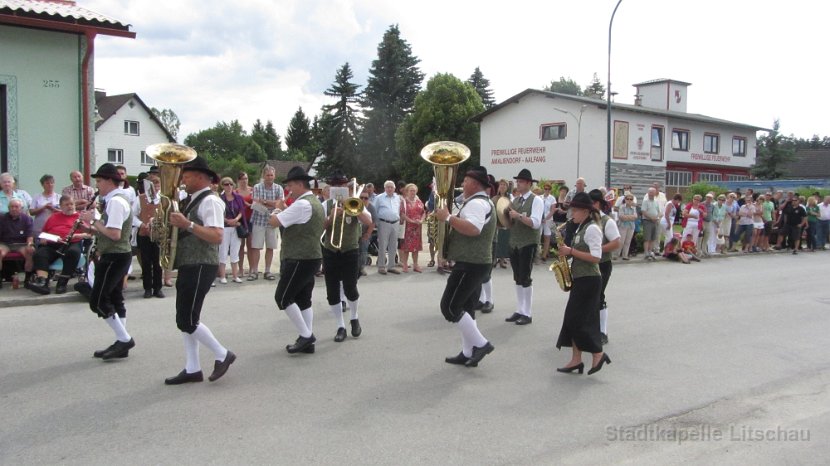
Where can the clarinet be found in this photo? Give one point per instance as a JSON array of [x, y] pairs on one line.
[[67, 244], [90, 252]]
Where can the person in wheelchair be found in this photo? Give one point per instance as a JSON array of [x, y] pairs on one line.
[[64, 241]]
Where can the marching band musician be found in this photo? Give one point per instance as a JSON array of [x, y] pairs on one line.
[[301, 256], [526, 213], [610, 243], [341, 264], [580, 325], [201, 224], [60, 224], [470, 246], [112, 233], [144, 208]]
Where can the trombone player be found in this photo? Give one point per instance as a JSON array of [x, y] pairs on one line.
[[470, 245], [345, 216]]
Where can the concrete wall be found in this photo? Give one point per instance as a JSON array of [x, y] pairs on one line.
[[41, 71], [110, 135]]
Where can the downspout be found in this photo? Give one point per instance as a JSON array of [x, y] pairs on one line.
[[86, 138]]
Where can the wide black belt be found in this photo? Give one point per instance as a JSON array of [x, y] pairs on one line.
[[389, 221]]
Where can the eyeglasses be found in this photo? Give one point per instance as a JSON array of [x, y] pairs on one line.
[[227, 184]]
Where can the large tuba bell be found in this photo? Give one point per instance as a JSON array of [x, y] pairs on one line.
[[170, 158], [445, 157]]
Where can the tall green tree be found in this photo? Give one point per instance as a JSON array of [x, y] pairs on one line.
[[595, 89], [393, 83], [298, 136], [482, 87], [223, 141], [774, 152], [169, 120], [266, 137], [442, 113], [564, 86], [339, 125]]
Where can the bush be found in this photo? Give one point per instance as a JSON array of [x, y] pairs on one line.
[[702, 189]]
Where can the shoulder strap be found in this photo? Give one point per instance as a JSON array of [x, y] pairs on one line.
[[195, 202]]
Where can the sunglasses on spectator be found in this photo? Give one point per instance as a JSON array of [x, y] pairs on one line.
[[227, 184]]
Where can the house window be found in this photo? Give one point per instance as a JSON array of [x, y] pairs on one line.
[[146, 160], [554, 131], [115, 155], [680, 139], [704, 177], [711, 143], [131, 127], [739, 146], [656, 143], [737, 177], [678, 179]]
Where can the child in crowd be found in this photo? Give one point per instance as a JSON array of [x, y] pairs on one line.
[[688, 247], [672, 250]]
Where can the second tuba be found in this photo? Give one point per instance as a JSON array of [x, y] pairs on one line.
[[170, 158], [445, 157]]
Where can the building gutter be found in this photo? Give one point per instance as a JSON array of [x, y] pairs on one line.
[[86, 139]]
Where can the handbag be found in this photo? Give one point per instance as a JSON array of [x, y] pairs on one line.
[[241, 231]]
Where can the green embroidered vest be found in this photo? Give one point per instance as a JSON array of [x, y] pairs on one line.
[[580, 268], [474, 249], [351, 232], [190, 249], [122, 245], [522, 235], [302, 241]]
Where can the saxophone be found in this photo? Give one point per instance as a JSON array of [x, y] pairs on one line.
[[562, 269]]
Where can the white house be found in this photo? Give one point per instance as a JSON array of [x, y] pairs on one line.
[[125, 128], [562, 137]]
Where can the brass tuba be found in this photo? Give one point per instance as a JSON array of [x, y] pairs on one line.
[[561, 268], [170, 158], [445, 157]]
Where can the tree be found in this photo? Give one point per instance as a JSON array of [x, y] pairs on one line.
[[298, 136], [394, 82], [339, 125], [442, 113], [169, 120], [222, 142], [774, 153], [482, 87], [266, 137], [595, 89], [564, 86]]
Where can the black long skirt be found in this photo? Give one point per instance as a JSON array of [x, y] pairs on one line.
[[580, 325]]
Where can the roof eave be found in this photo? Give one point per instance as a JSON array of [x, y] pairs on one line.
[[64, 26]]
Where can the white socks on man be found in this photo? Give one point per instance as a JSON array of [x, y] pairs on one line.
[[524, 300], [353, 309], [486, 292], [337, 312], [118, 327], [470, 335], [297, 318]]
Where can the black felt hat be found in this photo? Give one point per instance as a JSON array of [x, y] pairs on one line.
[[596, 196], [337, 178], [107, 171], [524, 174], [199, 164], [297, 174], [479, 174], [582, 201]]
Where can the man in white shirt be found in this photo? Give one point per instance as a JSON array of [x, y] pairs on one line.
[[388, 207], [526, 213], [823, 223]]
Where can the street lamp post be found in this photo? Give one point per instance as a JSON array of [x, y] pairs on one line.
[[608, 89], [578, 132]]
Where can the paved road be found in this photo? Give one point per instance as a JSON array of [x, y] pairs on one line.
[[725, 351]]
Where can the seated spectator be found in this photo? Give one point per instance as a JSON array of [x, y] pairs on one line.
[[688, 247], [672, 250], [16, 235], [9, 191], [60, 224], [44, 204]]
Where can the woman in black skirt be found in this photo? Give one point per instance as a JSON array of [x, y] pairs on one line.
[[580, 327]]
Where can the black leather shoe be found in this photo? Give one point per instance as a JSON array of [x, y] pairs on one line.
[[487, 308], [220, 367], [148, 294], [119, 349], [459, 359], [524, 320], [184, 377], [513, 318], [341, 335], [40, 286], [309, 349], [356, 330], [567, 370], [300, 345], [100, 353], [478, 306], [602, 361], [158, 293], [478, 354], [60, 287]]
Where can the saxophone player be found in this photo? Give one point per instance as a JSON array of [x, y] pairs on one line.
[[580, 325], [470, 241], [201, 226], [64, 224], [112, 234]]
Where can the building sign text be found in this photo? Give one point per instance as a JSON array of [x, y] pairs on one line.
[[517, 155]]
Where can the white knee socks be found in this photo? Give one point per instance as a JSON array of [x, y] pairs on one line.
[[204, 336], [470, 334], [528, 301], [308, 318], [191, 351], [486, 292], [118, 327], [520, 299], [353, 309], [337, 312], [293, 313]]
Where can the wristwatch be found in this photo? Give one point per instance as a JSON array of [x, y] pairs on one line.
[[191, 227]]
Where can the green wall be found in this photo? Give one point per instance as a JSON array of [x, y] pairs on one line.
[[41, 71]]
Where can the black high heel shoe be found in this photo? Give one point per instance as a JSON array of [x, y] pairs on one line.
[[602, 361], [579, 368]]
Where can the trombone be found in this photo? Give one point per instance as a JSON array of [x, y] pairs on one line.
[[351, 206]]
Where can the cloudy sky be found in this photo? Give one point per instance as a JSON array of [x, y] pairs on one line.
[[217, 60]]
